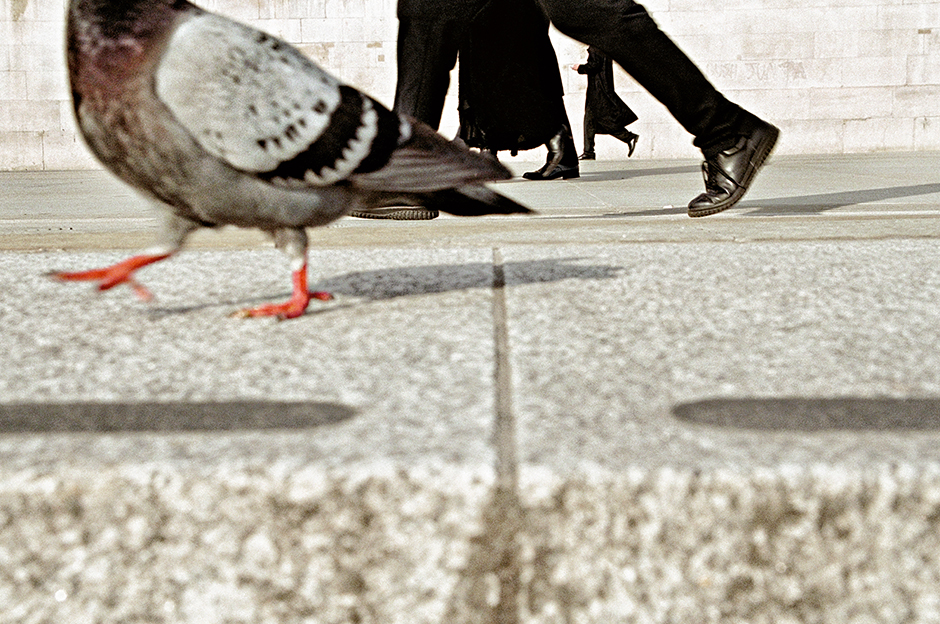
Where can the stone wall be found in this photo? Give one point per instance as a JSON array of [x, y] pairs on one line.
[[836, 75]]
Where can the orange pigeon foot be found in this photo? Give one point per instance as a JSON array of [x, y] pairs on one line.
[[293, 307], [111, 276]]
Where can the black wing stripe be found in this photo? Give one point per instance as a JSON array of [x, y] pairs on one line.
[[386, 141], [327, 152]]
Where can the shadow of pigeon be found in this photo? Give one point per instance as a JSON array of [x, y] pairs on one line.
[[391, 283]]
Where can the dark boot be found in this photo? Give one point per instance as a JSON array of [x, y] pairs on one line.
[[588, 153], [562, 160]]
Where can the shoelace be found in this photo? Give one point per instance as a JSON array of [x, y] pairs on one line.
[[706, 173]]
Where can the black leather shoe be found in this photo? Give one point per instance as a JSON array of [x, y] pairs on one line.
[[631, 142], [729, 173], [561, 161], [550, 172]]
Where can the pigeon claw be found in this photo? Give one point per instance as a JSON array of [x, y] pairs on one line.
[[293, 307], [114, 275], [282, 311]]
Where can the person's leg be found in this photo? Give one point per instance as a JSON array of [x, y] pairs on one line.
[[427, 52], [630, 138], [735, 142], [562, 159], [625, 31], [588, 153]]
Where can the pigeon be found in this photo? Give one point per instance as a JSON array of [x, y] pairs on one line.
[[218, 124]]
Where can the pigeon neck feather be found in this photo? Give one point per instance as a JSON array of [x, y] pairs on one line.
[[120, 19]]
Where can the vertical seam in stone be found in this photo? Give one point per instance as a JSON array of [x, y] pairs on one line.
[[504, 433], [506, 523], [489, 588]]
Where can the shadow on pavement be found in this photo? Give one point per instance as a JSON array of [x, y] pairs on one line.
[[652, 212], [394, 282], [809, 414], [630, 174], [830, 201], [425, 280], [612, 175], [169, 416], [800, 204]]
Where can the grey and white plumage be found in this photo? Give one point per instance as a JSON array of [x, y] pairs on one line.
[[222, 124]]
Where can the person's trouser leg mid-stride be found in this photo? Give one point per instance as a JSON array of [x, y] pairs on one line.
[[735, 143]]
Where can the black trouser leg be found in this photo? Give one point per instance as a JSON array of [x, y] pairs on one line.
[[569, 153], [588, 131], [626, 32], [427, 52], [570, 156]]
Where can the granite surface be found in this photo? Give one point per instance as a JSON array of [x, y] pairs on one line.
[[606, 413]]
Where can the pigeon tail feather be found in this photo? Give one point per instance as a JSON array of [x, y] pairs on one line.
[[428, 162], [473, 201]]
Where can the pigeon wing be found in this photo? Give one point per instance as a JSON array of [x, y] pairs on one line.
[[260, 105], [428, 162]]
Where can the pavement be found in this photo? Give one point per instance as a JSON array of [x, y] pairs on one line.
[[607, 412]]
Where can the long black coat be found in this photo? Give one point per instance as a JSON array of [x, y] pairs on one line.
[[610, 113], [510, 85]]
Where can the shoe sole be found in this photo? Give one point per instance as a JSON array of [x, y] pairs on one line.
[[763, 151], [568, 175], [397, 214]]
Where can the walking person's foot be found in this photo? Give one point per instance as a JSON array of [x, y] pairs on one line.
[[561, 161], [553, 172], [632, 138], [729, 173]]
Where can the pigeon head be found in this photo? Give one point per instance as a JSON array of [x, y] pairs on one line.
[[111, 19]]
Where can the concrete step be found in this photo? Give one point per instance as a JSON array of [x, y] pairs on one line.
[[575, 418]]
